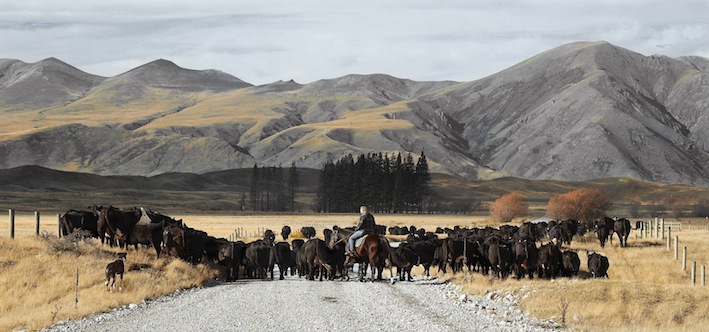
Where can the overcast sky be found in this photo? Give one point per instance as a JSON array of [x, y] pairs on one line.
[[263, 41]]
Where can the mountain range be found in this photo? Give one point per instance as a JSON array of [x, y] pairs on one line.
[[581, 111]]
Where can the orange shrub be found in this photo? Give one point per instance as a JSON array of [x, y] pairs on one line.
[[509, 206], [584, 204]]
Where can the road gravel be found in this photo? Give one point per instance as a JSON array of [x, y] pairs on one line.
[[300, 305]]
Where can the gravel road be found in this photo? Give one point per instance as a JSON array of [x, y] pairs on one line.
[[300, 305]]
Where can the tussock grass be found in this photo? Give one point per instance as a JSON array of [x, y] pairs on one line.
[[38, 279]]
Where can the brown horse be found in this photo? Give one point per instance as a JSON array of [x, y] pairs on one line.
[[374, 251]]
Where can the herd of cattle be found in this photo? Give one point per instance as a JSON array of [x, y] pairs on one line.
[[507, 250]]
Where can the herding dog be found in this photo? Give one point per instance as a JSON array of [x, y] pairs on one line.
[[117, 267]]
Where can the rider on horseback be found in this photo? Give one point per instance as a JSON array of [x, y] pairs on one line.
[[364, 226]]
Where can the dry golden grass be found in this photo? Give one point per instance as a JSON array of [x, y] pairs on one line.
[[38, 284], [647, 289]]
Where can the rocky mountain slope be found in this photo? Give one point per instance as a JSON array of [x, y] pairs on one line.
[[576, 112]]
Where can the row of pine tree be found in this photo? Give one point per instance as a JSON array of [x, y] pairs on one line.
[[386, 185], [272, 189]]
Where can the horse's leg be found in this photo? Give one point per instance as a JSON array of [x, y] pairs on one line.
[[373, 255], [120, 283]]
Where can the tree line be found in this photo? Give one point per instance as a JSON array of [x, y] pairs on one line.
[[271, 189], [386, 184]]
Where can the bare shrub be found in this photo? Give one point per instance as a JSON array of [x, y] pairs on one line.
[[508, 207], [582, 204], [71, 244]]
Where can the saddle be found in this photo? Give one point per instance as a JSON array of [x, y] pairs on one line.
[[359, 241]]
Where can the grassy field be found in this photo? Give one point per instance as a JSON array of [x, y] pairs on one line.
[[647, 289], [38, 279]]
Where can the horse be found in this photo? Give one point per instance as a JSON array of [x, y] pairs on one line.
[[117, 267], [374, 251]]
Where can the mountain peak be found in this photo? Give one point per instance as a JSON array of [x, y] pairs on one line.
[[164, 73], [59, 83]]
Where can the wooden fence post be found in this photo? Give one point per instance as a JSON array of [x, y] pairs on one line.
[[662, 227], [669, 237], [676, 247], [11, 216], [646, 225], [36, 223], [59, 225], [694, 273], [703, 275], [684, 258]]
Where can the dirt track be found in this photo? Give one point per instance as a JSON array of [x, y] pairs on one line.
[[297, 305]]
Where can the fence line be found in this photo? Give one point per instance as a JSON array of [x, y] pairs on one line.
[[693, 271]]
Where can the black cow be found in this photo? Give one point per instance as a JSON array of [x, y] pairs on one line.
[[597, 265], [283, 256], [308, 258], [425, 251], [147, 234], [404, 259], [118, 224], [508, 231], [572, 228], [541, 229], [320, 258], [609, 223], [570, 263], [559, 234], [526, 257], [308, 232], [440, 257], [269, 237], [527, 230], [195, 241], [549, 261], [455, 252], [622, 228], [257, 259], [602, 233], [74, 220], [500, 256], [301, 264], [285, 232], [231, 255]]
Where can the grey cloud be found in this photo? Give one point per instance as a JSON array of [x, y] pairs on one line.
[[269, 40]]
